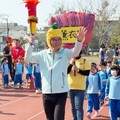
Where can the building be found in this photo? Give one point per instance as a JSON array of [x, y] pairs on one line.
[[13, 30]]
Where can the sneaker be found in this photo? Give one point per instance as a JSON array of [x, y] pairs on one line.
[[37, 91], [20, 86], [6, 86], [12, 83], [89, 115], [101, 103], [15, 86], [97, 113]]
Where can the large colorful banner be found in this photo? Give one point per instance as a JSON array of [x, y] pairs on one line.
[[70, 22]]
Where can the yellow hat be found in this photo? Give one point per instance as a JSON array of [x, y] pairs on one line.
[[53, 32]]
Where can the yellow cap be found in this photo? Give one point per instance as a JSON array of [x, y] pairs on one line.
[[53, 32]]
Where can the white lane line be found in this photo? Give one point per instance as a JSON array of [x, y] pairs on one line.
[[16, 100], [100, 109], [35, 115]]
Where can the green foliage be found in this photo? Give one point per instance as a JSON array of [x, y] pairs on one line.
[[115, 38]]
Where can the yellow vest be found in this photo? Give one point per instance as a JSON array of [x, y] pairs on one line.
[[78, 82]]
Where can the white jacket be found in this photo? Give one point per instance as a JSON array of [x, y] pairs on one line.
[[53, 67]]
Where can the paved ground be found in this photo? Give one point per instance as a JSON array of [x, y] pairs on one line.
[[24, 104]]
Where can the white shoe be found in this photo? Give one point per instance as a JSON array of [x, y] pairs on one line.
[[37, 91], [89, 115], [15, 86], [97, 113], [6, 86]]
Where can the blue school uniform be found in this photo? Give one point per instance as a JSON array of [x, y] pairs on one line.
[[108, 72], [5, 73], [29, 71], [93, 86], [112, 91], [103, 76], [19, 69], [37, 76]]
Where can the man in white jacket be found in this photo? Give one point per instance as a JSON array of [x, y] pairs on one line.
[[54, 63]]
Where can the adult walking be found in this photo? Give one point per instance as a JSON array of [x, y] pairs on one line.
[[54, 62], [78, 69]]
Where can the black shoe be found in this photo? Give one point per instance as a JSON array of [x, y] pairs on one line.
[[101, 103]]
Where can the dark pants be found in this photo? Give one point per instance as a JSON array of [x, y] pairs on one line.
[[114, 108], [93, 101], [5, 79], [102, 96], [54, 106], [13, 73], [18, 78], [77, 101], [37, 80], [10, 68]]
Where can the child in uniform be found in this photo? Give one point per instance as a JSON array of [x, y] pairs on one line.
[[19, 69], [29, 70], [5, 72], [37, 78], [112, 92], [93, 87], [103, 77]]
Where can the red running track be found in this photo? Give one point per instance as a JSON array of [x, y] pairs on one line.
[[24, 104]]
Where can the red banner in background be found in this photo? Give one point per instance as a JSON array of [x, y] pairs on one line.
[[70, 21]]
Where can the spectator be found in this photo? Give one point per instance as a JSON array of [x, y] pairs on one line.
[[102, 54], [17, 52], [109, 54], [7, 54], [116, 50]]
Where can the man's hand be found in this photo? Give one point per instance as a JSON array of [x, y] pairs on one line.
[[81, 34], [30, 39]]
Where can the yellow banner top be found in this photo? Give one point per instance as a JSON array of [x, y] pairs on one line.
[[69, 34]]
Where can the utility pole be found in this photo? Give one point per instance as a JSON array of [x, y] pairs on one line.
[[7, 27]]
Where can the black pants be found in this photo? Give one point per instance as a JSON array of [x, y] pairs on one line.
[[54, 106]]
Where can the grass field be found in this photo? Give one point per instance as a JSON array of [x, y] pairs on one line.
[[92, 58]]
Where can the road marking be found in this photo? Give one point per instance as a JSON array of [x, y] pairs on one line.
[[35, 115], [17, 100], [100, 109]]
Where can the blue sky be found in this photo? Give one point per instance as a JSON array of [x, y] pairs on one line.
[[17, 12]]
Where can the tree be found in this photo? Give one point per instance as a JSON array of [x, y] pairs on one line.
[[105, 14], [115, 38], [59, 9]]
